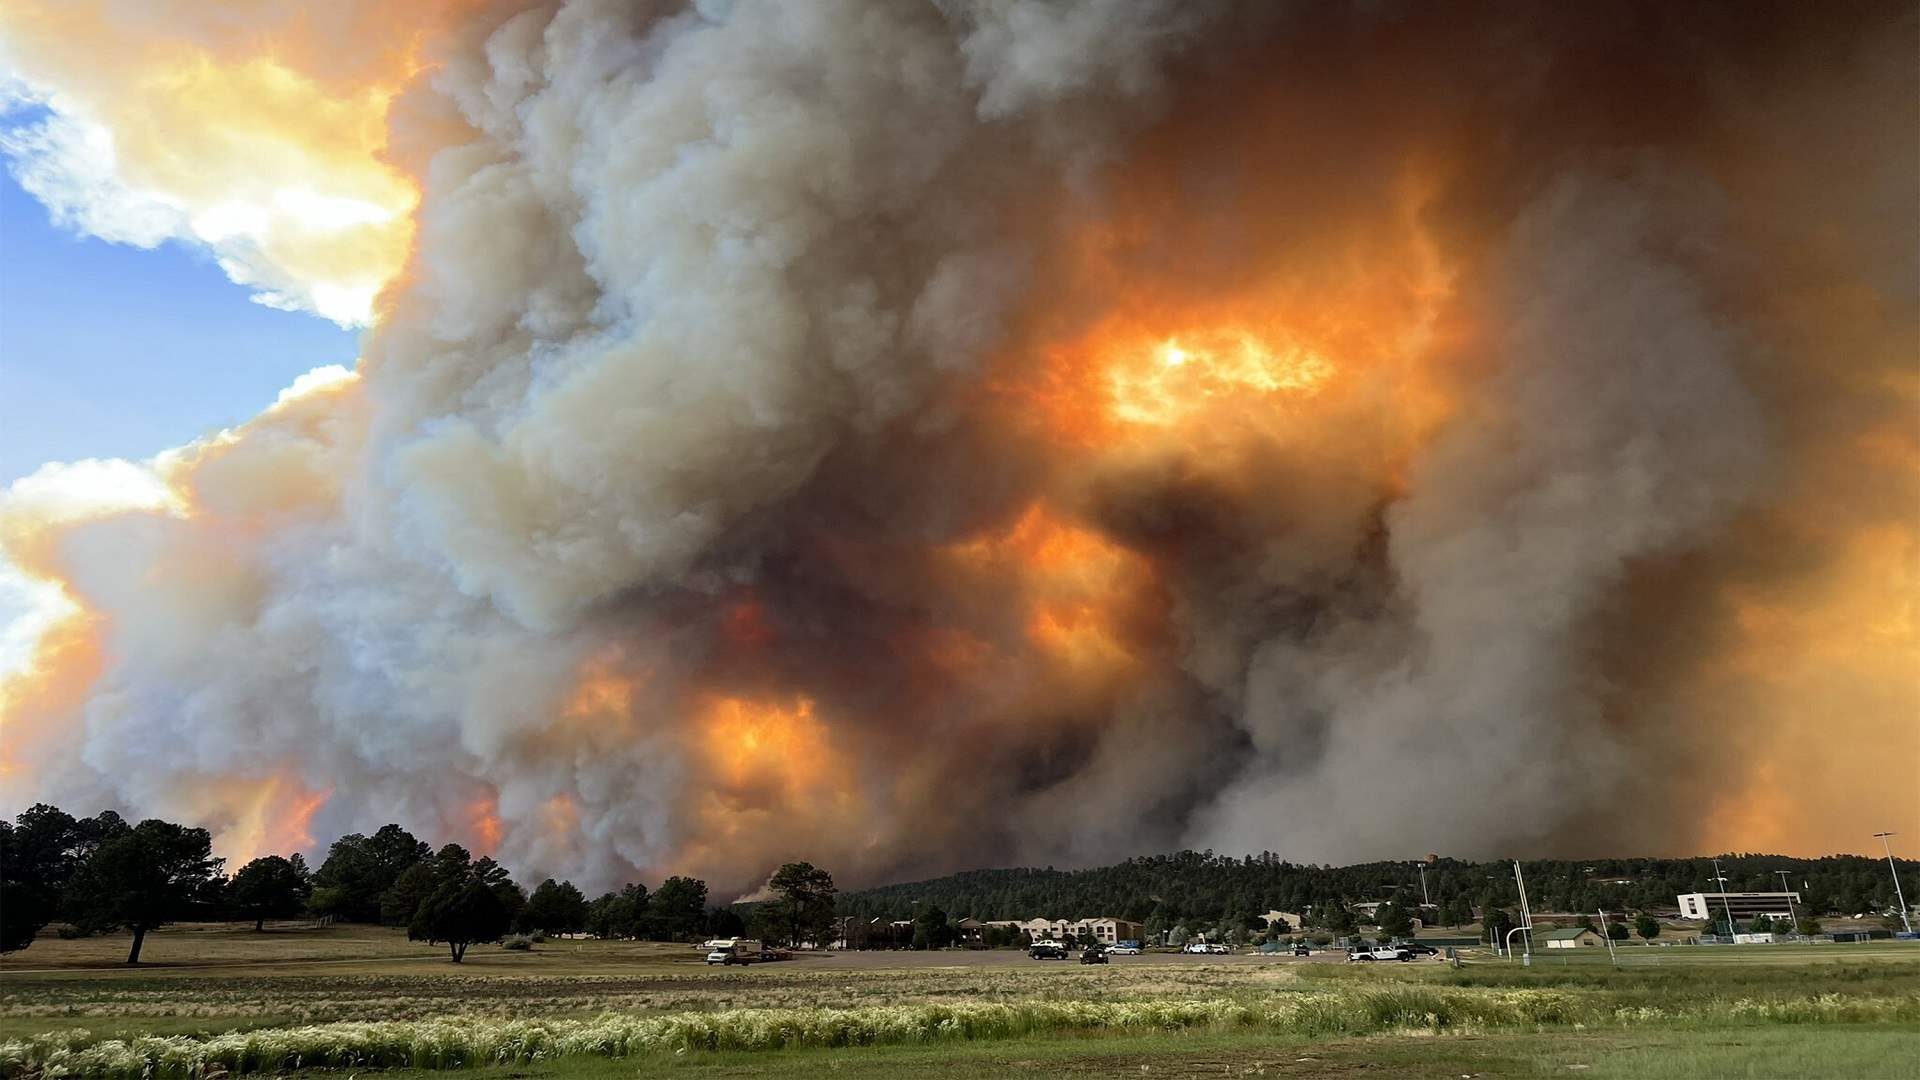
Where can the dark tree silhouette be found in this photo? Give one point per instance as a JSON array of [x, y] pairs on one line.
[[677, 910], [460, 913], [270, 887], [555, 907], [353, 882], [39, 852], [141, 880], [803, 903]]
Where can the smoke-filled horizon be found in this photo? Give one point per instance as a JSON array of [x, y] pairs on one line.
[[918, 436]]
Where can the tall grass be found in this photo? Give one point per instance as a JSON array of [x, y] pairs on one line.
[[461, 1042]]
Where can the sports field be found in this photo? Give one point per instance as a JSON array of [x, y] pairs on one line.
[[224, 999]]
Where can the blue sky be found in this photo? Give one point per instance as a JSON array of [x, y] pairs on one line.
[[113, 351]]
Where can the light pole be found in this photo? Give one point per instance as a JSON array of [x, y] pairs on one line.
[[1895, 871], [1724, 902], [1425, 900], [1526, 918], [1791, 917]]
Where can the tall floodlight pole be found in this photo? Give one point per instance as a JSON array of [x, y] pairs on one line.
[[1608, 932], [1721, 879], [1526, 916], [1895, 871], [1791, 916], [1425, 900]]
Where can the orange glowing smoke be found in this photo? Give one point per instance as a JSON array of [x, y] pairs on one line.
[[67, 660], [603, 691], [483, 825], [751, 743], [269, 816], [1078, 587], [1183, 376], [260, 133], [769, 771]]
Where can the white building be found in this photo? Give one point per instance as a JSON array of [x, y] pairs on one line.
[[1709, 906], [1105, 929], [1285, 921]]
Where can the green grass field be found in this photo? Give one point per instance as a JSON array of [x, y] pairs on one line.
[[358, 998]]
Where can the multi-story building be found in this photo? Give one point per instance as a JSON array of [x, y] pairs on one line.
[[1743, 905], [1105, 929], [1285, 921]]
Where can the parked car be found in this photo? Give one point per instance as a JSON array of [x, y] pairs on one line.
[[1093, 954], [1125, 950], [1047, 950], [1419, 950], [1218, 949], [1385, 953], [1302, 950], [1194, 947]]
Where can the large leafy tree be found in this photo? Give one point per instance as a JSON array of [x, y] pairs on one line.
[[555, 907], [1494, 930], [353, 881], [270, 887], [802, 906], [1646, 926], [1395, 921], [677, 909], [459, 913], [618, 915], [495, 877], [140, 880], [931, 929], [39, 852]]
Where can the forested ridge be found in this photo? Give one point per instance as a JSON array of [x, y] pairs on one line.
[[1204, 886]]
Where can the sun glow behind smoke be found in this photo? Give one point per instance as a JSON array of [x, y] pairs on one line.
[[257, 138]]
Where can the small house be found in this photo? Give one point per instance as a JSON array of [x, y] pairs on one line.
[[1574, 937]]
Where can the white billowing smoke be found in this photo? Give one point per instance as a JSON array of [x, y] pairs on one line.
[[678, 517], [691, 253]]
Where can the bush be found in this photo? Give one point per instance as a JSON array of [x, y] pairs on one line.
[[72, 933], [539, 937], [518, 942]]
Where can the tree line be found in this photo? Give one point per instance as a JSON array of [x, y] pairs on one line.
[[1201, 892], [102, 874]]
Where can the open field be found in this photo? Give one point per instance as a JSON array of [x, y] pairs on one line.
[[225, 998]]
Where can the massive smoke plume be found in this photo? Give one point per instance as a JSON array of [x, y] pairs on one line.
[[911, 436]]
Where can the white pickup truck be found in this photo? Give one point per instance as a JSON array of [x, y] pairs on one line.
[[1368, 956]]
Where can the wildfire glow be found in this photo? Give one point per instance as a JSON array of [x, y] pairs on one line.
[[272, 816], [483, 824], [769, 770], [1182, 376], [751, 742], [1078, 584]]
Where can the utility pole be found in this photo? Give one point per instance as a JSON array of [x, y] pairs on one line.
[[1606, 932], [1791, 917], [1425, 900], [1724, 902], [1895, 871]]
